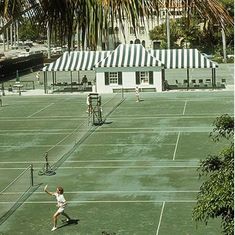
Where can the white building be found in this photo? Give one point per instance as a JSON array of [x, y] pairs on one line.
[[128, 66], [125, 34]]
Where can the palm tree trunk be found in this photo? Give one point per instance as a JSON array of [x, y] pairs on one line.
[[224, 45], [48, 42], [168, 30]]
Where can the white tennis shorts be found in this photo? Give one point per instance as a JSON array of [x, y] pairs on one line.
[[60, 210]]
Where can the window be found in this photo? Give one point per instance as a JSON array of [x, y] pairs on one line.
[[142, 30], [156, 44], [116, 30], [132, 31], [103, 46], [137, 41], [111, 31], [144, 77], [113, 78], [143, 43]]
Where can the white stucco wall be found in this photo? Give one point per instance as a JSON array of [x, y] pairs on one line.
[[128, 81], [157, 80]]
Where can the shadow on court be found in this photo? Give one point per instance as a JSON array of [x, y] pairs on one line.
[[107, 122], [107, 233], [68, 223]]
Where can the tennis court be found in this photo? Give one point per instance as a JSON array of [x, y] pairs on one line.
[[133, 175]]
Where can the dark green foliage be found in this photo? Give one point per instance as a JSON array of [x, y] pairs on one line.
[[29, 31], [216, 196], [203, 35], [224, 128]]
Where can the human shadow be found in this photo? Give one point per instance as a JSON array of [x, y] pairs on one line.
[[107, 233], [107, 122], [68, 223]]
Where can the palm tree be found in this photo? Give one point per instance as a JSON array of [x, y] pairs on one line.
[[91, 17]]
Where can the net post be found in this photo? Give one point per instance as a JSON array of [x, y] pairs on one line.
[[31, 175]]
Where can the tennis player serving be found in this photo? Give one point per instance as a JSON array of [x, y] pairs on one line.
[[61, 203]]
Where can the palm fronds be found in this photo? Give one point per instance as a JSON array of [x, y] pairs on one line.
[[93, 17]]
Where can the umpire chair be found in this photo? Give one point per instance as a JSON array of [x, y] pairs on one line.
[[94, 109]]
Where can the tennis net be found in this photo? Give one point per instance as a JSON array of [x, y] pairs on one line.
[[16, 192], [72, 141], [111, 105]]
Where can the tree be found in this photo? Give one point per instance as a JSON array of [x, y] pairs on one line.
[[229, 5], [91, 17], [216, 196], [200, 34], [181, 31], [29, 31]]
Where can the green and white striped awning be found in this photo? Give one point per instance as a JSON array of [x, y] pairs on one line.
[[129, 55], [133, 55], [182, 58], [77, 61]]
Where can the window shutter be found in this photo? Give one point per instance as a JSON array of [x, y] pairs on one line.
[[137, 78], [150, 77], [106, 78], [119, 78]]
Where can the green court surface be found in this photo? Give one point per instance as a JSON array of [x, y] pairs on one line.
[[134, 175]]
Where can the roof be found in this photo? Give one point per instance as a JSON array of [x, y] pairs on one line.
[[77, 60], [182, 58], [129, 55]]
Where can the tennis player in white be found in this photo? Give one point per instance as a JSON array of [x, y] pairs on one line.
[[61, 203]]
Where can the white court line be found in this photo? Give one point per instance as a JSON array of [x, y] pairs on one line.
[[10, 119], [159, 129], [185, 104], [92, 145], [173, 116], [12, 168], [145, 128], [87, 201], [33, 133], [38, 130], [36, 145], [125, 160], [23, 162], [125, 167], [123, 144], [170, 116], [98, 161], [160, 219], [112, 192], [41, 110], [176, 145], [102, 167], [156, 130]]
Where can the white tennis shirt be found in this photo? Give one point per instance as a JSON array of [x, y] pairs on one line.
[[60, 199]]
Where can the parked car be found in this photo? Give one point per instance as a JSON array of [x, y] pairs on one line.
[[56, 50], [207, 55], [230, 56], [24, 54]]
